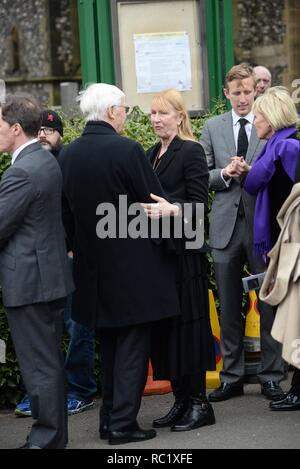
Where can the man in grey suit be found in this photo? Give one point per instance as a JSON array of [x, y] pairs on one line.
[[34, 270], [231, 145]]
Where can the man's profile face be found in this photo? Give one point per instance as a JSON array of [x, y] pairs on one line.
[[241, 94], [49, 138], [7, 138]]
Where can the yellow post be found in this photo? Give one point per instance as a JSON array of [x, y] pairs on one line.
[[252, 326], [213, 377]]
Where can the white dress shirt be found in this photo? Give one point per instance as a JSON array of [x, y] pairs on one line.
[[236, 128]]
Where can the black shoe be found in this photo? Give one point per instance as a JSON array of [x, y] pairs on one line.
[[199, 413], [174, 414], [272, 391], [226, 391], [290, 401], [119, 437]]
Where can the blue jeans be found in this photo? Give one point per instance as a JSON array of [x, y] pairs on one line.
[[80, 358]]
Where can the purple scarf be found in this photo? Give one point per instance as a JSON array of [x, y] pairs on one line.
[[280, 147]]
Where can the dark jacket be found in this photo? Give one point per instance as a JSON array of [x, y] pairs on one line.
[[119, 282], [183, 174], [34, 266]]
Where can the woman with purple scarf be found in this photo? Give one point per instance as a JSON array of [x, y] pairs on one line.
[[271, 178], [272, 175]]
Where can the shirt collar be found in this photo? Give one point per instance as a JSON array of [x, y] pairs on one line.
[[236, 117], [18, 150]]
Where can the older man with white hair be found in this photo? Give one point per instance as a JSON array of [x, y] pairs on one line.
[[123, 284], [263, 79]]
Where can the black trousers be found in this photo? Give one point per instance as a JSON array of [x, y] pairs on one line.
[[124, 356], [295, 385], [36, 333]]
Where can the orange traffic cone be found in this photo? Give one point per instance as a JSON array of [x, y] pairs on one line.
[[155, 387], [213, 377]]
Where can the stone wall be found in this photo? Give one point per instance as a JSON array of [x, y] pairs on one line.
[[28, 18], [37, 42], [259, 35]]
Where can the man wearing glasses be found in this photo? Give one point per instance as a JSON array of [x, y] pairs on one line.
[[51, 132]]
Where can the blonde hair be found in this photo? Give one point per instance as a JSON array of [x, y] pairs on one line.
[[277, 107], [172, 99]]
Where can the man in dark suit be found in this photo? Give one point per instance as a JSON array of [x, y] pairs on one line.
[[231, 145], [34, 271], [123, 283]]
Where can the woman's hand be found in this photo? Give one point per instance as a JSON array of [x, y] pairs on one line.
[[162, 208]]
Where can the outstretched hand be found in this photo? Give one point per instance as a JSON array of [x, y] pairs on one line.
[[161, 208]]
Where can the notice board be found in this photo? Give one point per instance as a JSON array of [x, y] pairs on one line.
[[159, 45]]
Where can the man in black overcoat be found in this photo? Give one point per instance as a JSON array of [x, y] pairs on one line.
[[122, 284]]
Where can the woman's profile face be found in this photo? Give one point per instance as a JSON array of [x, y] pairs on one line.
[[165, 121], [263, 128]]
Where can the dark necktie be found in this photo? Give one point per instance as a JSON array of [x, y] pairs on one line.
[[242, 143]]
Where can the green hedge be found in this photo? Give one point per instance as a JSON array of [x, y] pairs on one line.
[[138, 127]]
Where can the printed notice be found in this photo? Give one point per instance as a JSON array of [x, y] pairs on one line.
[[162, 60]]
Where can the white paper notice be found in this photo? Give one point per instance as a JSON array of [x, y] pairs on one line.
[[162, 60]]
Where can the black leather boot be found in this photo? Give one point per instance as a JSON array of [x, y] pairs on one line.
[[198, 414], [174, 414]]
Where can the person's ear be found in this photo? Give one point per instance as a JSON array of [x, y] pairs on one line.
[[226, 93], [17, 129], [110, 112]]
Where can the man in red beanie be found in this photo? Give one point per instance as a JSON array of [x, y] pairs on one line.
[[51, 131]]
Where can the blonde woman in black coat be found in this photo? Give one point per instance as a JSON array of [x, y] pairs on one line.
[[183, 348]]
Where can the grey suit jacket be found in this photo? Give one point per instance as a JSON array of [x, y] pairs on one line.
[[33, 260], [218, 142]]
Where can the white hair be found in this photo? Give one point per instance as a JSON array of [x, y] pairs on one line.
[[97, 98]]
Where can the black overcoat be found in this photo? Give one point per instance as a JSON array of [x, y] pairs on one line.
[[119, 282], [183, 174]]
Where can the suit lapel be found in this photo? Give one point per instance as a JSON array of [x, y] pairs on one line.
[[228, 133], [167, 157], [253, 144]]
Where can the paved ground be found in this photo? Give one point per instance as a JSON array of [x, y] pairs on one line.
[[243, 422]]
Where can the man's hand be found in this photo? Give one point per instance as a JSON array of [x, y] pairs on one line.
[[236, 168], [162, 208]]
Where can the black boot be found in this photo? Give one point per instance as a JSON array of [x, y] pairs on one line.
[[198, 414], [174, 414]]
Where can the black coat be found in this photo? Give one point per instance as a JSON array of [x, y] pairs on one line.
[[119, 282], [183, 174]]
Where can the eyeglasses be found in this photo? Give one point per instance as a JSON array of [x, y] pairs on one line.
[[47, 130], [127, 108]]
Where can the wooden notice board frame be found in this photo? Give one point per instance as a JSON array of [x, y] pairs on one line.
[[160, 16]]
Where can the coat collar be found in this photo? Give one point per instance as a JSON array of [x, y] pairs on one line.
[[168, 156], [29, 149], [98, 127]]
